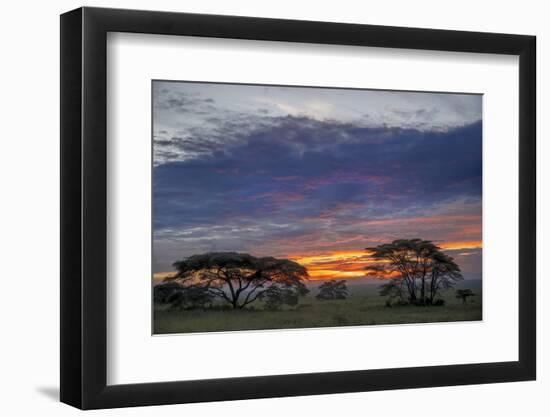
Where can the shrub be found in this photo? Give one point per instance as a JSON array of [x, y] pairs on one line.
[[333, 290], [182, 297], [163, 292], [275, 297]]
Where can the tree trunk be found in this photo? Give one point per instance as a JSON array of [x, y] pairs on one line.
[[423, 290], [412, 290], [433, 285]]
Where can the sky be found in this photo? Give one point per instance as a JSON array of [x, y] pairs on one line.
[[314, 174]]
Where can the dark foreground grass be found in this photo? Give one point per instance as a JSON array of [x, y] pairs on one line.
[[364, 307]]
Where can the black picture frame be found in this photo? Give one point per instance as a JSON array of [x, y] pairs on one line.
[[84, 207]]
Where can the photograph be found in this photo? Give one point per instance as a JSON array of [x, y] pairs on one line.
[[286, 207]]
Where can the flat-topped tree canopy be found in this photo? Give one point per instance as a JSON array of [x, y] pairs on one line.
[[418, 268], [240, 278]]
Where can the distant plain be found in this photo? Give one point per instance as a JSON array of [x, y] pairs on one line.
[[363, 307]]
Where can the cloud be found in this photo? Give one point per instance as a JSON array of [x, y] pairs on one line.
[[225, 114], [271, 184], [272, 193]]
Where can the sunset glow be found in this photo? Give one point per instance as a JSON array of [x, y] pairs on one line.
[[461, 245], [261, 170], [335, 265], [352, 264]]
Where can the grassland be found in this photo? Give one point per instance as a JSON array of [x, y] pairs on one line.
[[363, 307]]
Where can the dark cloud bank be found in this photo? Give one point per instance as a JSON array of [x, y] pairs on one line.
[[295, 184]]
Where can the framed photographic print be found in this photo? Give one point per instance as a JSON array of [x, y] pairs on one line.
[[237, 187], [287, 206]]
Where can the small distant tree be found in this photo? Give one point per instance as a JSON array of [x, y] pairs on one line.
[[277, 296], [333, 290], [464, 294]]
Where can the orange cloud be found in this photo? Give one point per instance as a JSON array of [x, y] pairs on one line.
[[475, 244], [355, 264], [336, 264]]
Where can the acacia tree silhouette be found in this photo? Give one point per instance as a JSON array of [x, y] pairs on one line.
[[417, 270], [239, 278], [464, 294]]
